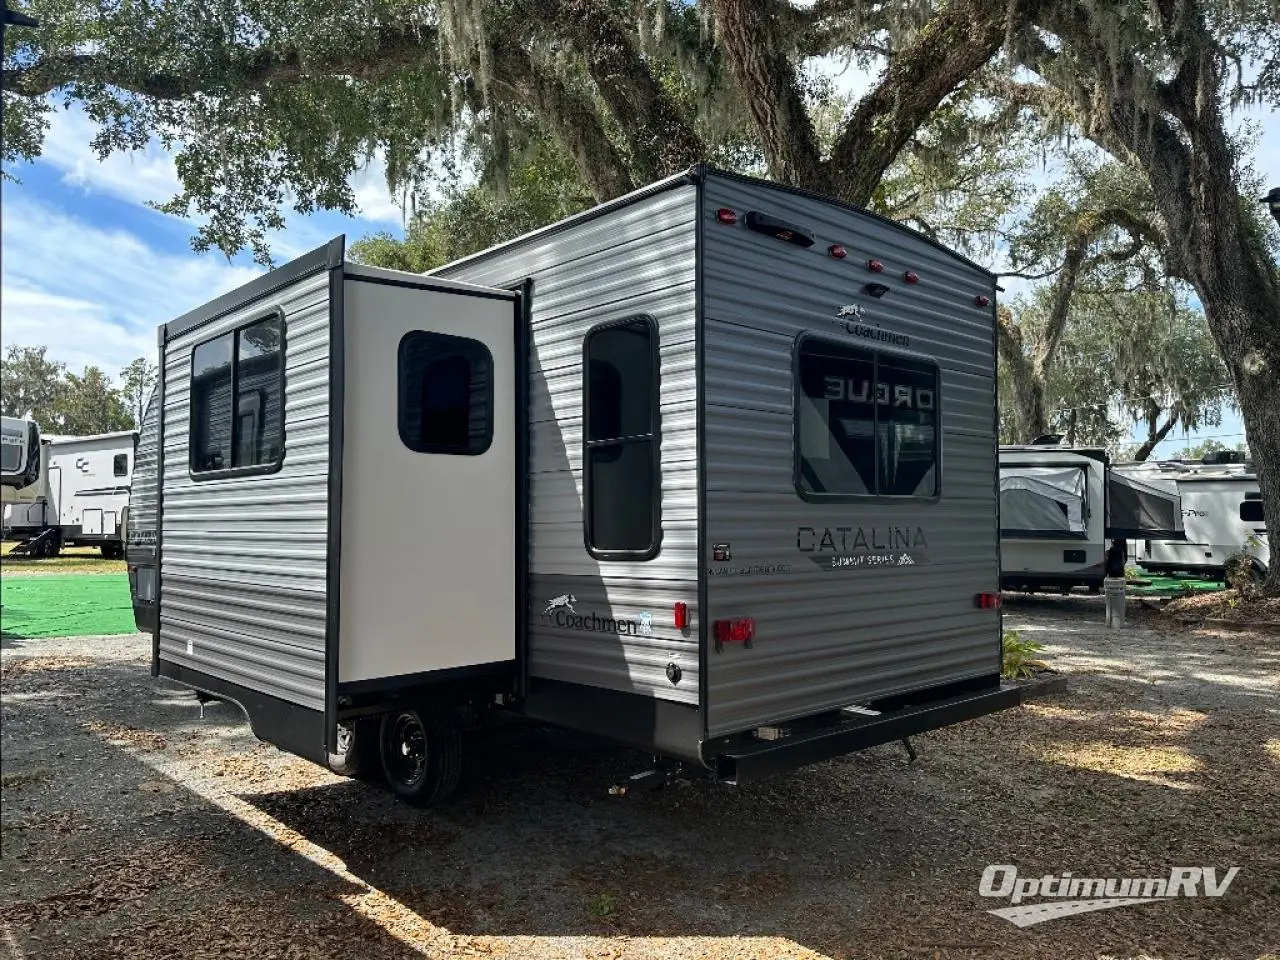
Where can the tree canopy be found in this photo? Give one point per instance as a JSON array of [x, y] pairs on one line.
[[61, 401]]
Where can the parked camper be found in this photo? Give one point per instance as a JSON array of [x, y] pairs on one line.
[[20, 460], [1222, 515], [1060, 508], [82, 496], [709, 469]]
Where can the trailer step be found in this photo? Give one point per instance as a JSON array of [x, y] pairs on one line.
[[46, 543]]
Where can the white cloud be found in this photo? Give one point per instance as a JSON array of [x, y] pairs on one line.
[[372, 196], [95, 295], [139, 177]]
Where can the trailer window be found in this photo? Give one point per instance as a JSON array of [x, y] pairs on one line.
[[445, 394], [1251, 511], [237, 399], [620, 440], [866, 423], [120, 465]]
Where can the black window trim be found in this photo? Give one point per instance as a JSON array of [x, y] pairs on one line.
[[654, 437], [227, 473], [115, 460], [436, 449], [810, 496]]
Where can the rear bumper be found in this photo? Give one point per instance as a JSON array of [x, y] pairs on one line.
[[746, 760]]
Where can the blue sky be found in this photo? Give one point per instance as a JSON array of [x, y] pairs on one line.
[[90, 271]]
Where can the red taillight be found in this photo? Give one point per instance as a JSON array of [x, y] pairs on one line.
[[911, 276], [982, 301], [837, 251], [725, 215], [987, 601], [735, 630], [681, 614], [875, 266]]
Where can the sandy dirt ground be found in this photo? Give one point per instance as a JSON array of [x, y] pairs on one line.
[[132, 828]]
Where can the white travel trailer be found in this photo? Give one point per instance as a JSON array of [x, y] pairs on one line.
[[1222, 514], [20, 459], [1059, 508], [82, 498], [709, 469]]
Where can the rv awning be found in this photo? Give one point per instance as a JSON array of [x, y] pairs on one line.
[[1043, 503], [1143, 509]]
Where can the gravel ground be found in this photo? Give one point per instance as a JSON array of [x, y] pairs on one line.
[[133, 828]]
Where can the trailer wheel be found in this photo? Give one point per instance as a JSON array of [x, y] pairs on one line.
[[421, 755], [357, 749], [112, 551]]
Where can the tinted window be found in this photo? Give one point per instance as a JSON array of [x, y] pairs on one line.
[[866, 422], [620, 443], [246, 367], [445, 394], [120, 465], [1251, 511]]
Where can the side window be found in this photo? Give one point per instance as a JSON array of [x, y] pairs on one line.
[[237, 399], [120, 465], [445, 394], [1251, 510], [866, 423], [620, 440]]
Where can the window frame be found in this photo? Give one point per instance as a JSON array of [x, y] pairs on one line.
[[876, 353], [115, 465], [440, 450], [273, 466], [653, 437]]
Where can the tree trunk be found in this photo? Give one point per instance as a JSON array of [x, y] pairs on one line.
[[1154, 437]]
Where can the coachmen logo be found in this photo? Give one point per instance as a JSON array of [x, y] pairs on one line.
[[560, 611], [851, 319]]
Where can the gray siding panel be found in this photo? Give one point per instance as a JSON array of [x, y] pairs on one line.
[[244, 559], [828, 637], [638, 260]]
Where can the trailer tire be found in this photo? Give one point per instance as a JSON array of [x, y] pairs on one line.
[[112, 551], [357, 754], [421, 755]]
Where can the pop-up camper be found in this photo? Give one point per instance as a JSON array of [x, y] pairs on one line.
[[1222, 515], [709, 469], [1059, 508]]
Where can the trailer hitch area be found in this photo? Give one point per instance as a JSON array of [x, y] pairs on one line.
[[662, 775]]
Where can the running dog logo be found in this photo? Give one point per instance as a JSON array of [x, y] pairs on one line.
[[563, 602]]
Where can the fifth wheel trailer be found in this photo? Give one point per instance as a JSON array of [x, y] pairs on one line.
[[1059, 506], [709, 469], [82, 495]]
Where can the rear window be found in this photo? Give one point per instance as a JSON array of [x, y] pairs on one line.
[[1251, 510], [866, 423]]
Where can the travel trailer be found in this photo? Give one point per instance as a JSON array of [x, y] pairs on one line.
[[81, 498], [709, 470], [19, 459], [1060, 507], [1222, 515]]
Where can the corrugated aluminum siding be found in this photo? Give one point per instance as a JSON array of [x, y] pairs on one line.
[[636, 260], [243, 559], [143, 486], [830, 637]]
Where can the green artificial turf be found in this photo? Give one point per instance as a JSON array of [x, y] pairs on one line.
[[65, 605]]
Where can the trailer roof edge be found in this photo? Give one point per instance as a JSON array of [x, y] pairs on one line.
[[327, 257]]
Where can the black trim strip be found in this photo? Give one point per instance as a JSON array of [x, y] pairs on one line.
[[333, 546], [433, 287], [523, 345], [328, 256], [1018, 533], [158, 398], [700, 442], [290, 726]]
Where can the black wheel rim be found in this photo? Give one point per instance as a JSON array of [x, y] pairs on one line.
[[407, 763]]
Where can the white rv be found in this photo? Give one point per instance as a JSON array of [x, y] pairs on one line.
[[20, 459], [1060, 507], [82, 498], [1222, 515], [709, 469]]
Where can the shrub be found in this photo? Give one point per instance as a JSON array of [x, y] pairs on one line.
[[1019, 656]]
